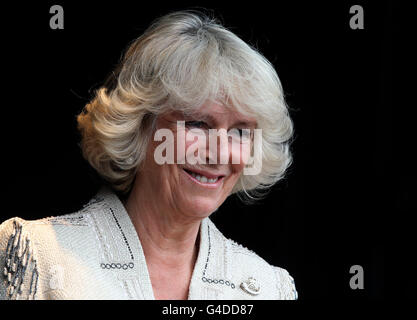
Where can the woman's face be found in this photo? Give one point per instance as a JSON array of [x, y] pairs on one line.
[[199, 174]]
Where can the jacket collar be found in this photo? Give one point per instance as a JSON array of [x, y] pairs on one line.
[[210, 276]]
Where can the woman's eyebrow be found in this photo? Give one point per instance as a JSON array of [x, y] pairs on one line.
[[244, 124], [202, 117], [210, 119]]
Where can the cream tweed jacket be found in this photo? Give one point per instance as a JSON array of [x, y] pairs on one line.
[[95, 253]]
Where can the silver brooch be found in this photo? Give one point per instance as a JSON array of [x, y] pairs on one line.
[[251, 286]]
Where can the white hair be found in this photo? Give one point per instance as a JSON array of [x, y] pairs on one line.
[[182, 60]]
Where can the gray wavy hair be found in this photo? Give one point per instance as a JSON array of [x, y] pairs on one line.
[[182, 60]]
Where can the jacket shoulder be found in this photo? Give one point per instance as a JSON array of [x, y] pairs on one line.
[[18, 263], [30, 249]]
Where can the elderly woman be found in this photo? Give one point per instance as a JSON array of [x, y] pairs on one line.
[[146, 234]]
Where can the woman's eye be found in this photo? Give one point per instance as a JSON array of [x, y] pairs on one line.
[[195, 124], [243, 133]]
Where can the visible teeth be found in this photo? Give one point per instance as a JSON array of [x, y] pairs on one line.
[[203, 179]]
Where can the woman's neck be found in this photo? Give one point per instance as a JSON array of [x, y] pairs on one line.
[[168, 238]]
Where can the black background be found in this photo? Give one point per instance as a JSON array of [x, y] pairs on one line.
[[348, 197]]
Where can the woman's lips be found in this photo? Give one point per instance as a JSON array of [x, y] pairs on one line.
[[209, 180], [207, 174]]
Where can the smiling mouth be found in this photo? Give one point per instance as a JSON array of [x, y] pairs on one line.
[[203, 179]]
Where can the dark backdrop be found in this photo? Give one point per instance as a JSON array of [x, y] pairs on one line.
[[346, 200]]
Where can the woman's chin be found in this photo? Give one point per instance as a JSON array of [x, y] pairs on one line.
[[202, 207]]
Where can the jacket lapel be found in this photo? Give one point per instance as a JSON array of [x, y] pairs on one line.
[[136, 280], [211, 278]]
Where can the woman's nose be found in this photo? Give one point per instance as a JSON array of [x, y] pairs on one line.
[[219, 150]]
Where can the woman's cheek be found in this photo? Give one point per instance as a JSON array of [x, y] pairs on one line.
[[180, 146], [240, 154]]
